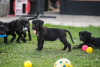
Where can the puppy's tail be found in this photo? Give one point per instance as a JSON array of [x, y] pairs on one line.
[[70, 35], [34, 17]]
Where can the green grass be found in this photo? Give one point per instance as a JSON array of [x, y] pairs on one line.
[[15, 54]]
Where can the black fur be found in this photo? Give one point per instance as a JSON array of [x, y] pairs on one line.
[[26, 24], [12, 26], [50, 34], [3, 29], [87, 40]]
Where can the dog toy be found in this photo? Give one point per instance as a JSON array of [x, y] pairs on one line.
[[27, 64], [2, 36], [25, 29], [84, 47], [89, 50], [67, 65], [63, 62], [34, 31]]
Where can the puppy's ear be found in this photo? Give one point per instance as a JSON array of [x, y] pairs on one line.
[[41, 23], [79, 32], [89, 33]]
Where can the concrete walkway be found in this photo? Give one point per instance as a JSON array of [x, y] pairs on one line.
[[67, 20], [73, 20]]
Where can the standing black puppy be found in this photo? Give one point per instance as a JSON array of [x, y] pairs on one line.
[[26, 24], [50, 34], [87, 40]]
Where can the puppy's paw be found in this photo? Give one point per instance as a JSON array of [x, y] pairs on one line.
[[73, 48], [38, 49], [69, 51], [30, 39], [24, 40], [17, 41], [63, 49], [5, 42]]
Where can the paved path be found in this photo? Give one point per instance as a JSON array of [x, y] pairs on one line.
[[73, 20], [68, 20]]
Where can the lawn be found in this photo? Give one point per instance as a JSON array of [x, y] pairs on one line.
[[15, 54]]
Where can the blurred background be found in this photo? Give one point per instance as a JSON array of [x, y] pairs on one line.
[[31, 7], [59, 12]]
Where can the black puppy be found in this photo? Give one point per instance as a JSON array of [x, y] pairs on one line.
[[26, 25], [87, 40], [50, 34], [12, 26], [3, 29]]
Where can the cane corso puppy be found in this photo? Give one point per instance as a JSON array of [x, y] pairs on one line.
[[26, 25], [50, 34], [87, 40], [12, 26], [3, 30]]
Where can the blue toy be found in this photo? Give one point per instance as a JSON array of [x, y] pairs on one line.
[[2, 36]]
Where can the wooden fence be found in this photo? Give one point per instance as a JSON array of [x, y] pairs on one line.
[[4, 9]]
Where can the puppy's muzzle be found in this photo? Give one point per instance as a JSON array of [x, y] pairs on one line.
[[25, 29]]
